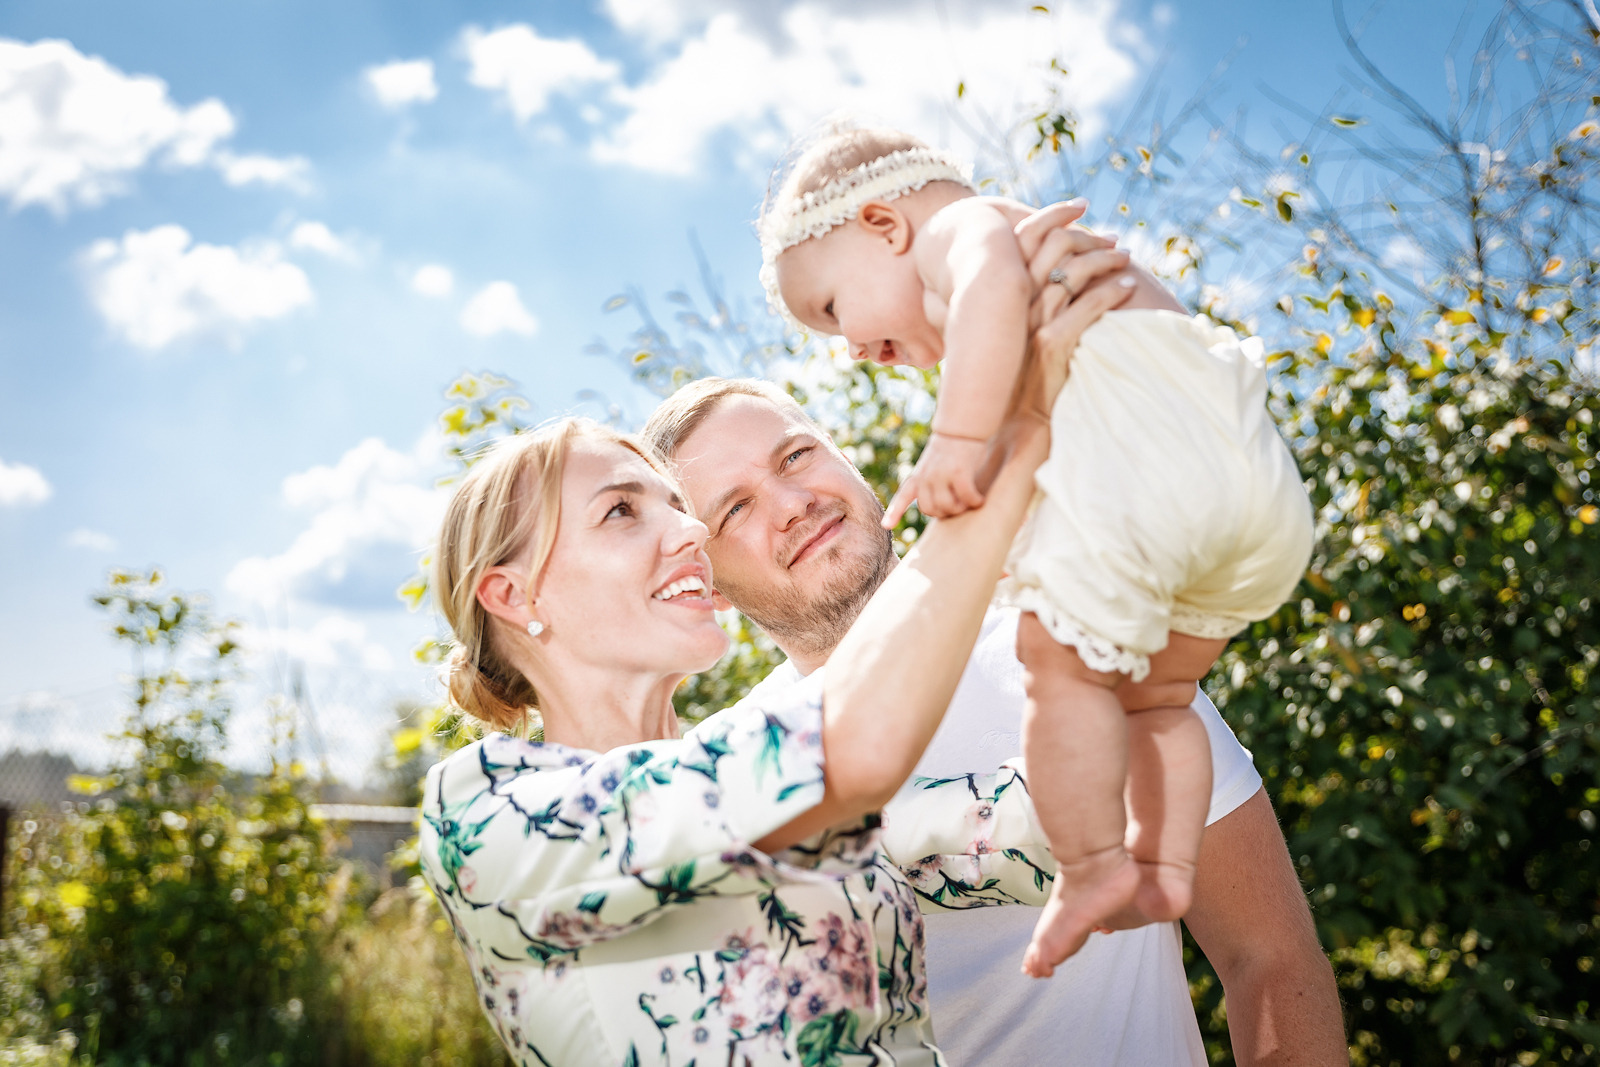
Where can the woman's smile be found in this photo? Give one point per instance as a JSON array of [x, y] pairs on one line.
[[688, 586]]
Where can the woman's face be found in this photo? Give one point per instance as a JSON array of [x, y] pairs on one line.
[[628, 584]]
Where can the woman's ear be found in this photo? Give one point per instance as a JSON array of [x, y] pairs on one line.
[[503, 593], [885, 222]]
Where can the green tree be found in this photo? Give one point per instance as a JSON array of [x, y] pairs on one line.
[[183, 913], [1425, 711]]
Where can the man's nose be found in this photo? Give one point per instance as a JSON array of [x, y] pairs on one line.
[[792, 503]]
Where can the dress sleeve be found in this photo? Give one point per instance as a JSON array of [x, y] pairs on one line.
[[579, 847], [971, 841]]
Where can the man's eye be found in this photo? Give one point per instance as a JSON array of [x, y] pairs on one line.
[[796, 454]]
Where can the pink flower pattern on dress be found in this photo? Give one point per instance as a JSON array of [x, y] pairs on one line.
[[614, 911]]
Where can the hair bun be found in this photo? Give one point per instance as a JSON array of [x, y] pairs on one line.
[[497, 702]]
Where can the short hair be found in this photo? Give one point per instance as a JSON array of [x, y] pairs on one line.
[[831, 156], [681, 414]]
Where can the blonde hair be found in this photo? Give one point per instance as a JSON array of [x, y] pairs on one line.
[[681, 414], [509, 501]]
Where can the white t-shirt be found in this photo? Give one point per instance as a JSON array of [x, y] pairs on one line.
[[1123, 999]]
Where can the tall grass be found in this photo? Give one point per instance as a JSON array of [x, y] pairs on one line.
[[399, 993]]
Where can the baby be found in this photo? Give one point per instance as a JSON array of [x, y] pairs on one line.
[[1170, 512]]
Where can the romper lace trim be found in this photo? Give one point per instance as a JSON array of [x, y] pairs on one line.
[[1207, 624], [1097, 653]]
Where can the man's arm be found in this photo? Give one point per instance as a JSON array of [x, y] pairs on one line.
[[1251, 920]]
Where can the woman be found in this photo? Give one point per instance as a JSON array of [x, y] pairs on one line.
[[628, 896]]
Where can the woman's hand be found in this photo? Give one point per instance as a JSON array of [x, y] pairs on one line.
[[1050, 241], [1063, 322]]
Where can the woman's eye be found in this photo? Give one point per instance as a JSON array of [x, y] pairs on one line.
[[621, 508]]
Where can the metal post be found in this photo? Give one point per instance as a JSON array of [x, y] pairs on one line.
[[5, 861]]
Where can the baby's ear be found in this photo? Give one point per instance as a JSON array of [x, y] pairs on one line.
[[885, 222]]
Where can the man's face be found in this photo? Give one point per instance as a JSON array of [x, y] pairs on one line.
[[795, 536]]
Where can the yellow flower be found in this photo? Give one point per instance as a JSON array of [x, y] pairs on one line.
[[407, 741], [73, 894]]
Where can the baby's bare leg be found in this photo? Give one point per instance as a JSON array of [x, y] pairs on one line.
[[1075, 737], [1169, 775]]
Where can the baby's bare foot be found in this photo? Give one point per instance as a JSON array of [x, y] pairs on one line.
[[1165, 890], [1086, 893]]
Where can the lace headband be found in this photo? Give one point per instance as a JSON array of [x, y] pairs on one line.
[[815, 213]]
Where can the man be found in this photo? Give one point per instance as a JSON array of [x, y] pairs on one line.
[[796, 544]]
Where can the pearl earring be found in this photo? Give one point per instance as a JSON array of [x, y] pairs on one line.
[[535, 627]]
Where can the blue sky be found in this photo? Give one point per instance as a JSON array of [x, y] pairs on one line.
[[244, 247]]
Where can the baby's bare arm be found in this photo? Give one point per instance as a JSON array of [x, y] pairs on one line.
[[968, 256]]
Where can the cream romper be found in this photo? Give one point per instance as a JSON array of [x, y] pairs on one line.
[[1168, 501]]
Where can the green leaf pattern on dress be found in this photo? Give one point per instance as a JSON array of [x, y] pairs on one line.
[[613, 910]]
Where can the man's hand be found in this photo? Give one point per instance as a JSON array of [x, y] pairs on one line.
[[944, 481]]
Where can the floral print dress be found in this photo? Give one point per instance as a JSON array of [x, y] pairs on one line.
[[613, 910]]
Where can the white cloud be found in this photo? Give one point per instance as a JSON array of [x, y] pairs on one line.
[[369, 513], [82, 726], [497, 309], [767, 74], [93, 540], [664, 20], [156, 286], [402, 82], [22, 485], [432, 279], [335, 640], [316, 237], [292, 172], [74, 129], [526, 68]]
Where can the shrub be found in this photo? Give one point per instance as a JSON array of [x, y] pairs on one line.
[[182, 916]]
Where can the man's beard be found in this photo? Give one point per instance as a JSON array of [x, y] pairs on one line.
[[814, 627]]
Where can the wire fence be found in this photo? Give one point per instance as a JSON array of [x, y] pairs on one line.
[[338, 726]]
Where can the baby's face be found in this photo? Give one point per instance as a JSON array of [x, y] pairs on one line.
[[850, 282]]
